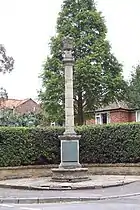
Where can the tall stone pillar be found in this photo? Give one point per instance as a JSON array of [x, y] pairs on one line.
[[69, 168], [69, 109], [69, 141]]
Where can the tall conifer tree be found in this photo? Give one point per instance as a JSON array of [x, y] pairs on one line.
[[97, 73]]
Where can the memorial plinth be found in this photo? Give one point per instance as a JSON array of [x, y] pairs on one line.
[[70, 174], [69, 168]]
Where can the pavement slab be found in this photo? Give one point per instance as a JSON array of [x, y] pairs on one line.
[[45, 183]]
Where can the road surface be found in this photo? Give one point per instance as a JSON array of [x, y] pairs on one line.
[[126, 189], [128, 203], [132, 203]]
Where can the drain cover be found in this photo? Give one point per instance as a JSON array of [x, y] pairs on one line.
[[57, 187]]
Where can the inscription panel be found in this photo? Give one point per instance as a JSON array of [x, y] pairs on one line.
[[69, 151]]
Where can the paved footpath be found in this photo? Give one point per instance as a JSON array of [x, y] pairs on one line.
[[8, 196], [112, 198]]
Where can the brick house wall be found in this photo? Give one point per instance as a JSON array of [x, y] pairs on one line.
[[90, 122], [133, 116], [117, 116], [122, 116], [27, 106]]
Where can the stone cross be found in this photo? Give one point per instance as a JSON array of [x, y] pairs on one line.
[[68, 64], [69, 169]]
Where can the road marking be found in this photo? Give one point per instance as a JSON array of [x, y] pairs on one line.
[[26, 208], [6, 205]]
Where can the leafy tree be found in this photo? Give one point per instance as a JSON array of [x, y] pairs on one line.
[[6, 65], [97, 73], [133, 90], [3, 95], [29, 119], [10, 118], [6, 62]]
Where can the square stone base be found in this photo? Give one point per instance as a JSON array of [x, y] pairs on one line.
[[70, 175]]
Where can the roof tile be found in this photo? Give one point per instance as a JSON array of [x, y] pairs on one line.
[[11, 103]]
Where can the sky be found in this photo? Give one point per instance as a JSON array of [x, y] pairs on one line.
[[27, 26]]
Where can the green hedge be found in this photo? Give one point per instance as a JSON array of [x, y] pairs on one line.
[[99, 144], [118, 143], [23, 146]]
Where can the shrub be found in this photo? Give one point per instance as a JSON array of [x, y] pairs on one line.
[[116, 143], [24, 146], [98, 144]]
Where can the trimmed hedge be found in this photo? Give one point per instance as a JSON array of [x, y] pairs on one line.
[[118, 143], [23, 146]]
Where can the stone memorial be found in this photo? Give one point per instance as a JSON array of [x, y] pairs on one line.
[[69, 169]]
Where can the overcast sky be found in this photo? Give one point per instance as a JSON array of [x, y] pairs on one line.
[[26, 28]]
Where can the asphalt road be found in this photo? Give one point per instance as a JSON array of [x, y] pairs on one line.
[[122, 190], [129, 204]]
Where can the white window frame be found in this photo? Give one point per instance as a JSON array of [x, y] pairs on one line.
[[96, 121], [99, 115], [53, 124], [138, 111]]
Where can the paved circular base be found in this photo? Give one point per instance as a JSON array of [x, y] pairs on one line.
[[45, 183], [82, 186]]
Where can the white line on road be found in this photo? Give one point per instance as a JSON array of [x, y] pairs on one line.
[[26, 208], [6, 205]]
